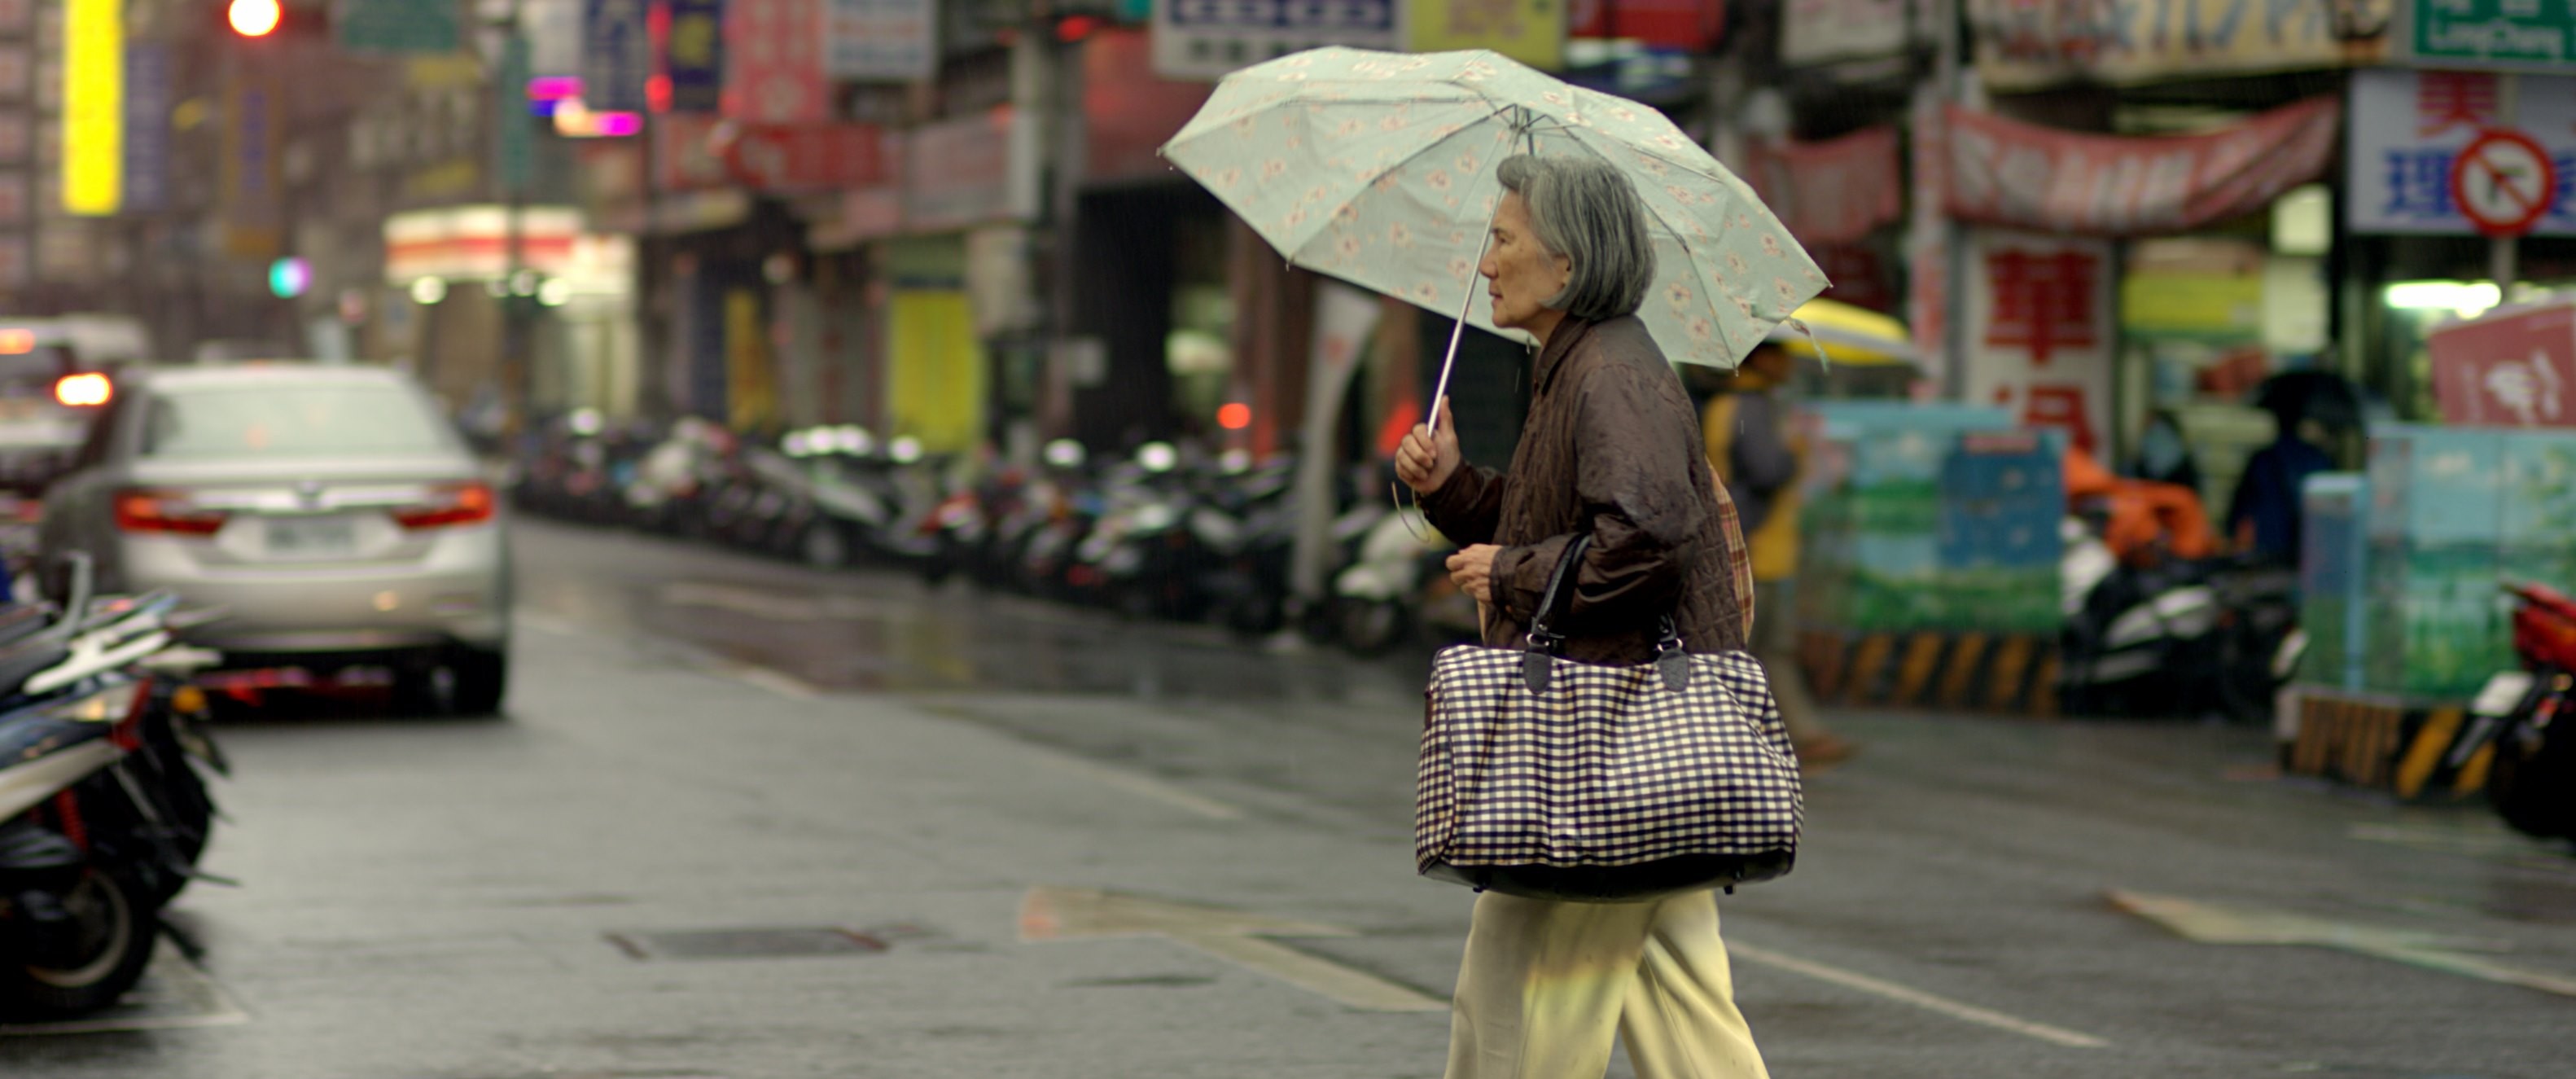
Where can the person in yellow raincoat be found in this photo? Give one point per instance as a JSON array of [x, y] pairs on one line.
[[1746, 427]]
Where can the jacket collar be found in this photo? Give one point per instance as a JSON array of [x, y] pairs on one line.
[[1560, 344]]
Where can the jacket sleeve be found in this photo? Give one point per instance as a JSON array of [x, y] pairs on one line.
[[1636, 478], [1469, 507]]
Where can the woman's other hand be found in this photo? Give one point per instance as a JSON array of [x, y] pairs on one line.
[[1473, 571], [1426, 461]]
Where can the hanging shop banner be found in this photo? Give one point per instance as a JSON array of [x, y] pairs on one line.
[[1831, 192], [958, 173], [685, 157], [616, 55], [2515, 367], [1686, 25], [693, 55], [792, 158], [1205, 39], [777, 73], [1530, 31], [1828, 31], [1128, 112], [2528, 35], [2410, 128], [93, 107], [880, 40], [17, 17], [2040, 336], [2007, 173], [147, 127], [2034, 44]]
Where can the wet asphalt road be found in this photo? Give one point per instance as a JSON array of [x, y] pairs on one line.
[[700, 741]]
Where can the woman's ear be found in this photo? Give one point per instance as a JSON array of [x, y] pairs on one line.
[[1564, 272]]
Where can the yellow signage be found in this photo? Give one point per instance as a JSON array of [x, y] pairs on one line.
[[1530, 31], [93, 106]]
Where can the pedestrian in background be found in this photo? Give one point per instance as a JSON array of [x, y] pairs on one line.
[[1611, 449], [1747, 431]]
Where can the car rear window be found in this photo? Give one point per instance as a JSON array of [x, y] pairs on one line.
[[290, 421]]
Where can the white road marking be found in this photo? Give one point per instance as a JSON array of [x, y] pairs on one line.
[[191, 998], [1231, 935], [1930, 1002], [2211, 923], [1143, 786]]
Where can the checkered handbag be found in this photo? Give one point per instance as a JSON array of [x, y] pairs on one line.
[[1552, 779]]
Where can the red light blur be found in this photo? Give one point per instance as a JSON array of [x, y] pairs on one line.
[[1075, 28], [1234, 417]]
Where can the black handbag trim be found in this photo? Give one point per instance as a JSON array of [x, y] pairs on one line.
[[1638, 883]]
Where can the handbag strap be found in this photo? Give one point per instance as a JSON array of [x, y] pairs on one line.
[[1541, 638]]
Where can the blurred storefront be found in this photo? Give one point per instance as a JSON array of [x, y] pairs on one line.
[[458, 272]]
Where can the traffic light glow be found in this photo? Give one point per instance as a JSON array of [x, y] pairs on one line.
[[254, 18]]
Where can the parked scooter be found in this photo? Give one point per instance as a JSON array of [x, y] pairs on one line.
[[2524, 715], [102, 812], [1375, 598]]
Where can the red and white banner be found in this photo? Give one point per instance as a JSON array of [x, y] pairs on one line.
[[1831, 192], [684, 153], [2516, 368], [2007, 173], [805, 157], [774, 62], [2040, 335], [1690, 25]]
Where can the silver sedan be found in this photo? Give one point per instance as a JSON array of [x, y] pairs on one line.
[[330, 512]]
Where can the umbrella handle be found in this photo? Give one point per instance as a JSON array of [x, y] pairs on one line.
[[1457, 330]]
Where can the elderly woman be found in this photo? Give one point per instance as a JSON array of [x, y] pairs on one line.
[[1612, 448]]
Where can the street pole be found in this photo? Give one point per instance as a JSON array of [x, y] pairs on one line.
[[2503, 252]]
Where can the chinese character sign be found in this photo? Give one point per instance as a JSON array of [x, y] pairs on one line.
[[880, 40], [2514, 368], [1530, 31], [2469, 33], [694, 55], [616, 55], [2029, 45], [776, 73], [2409, 128], [1205, 39], [2039, 330]]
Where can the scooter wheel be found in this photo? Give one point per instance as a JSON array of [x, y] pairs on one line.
[[1372, 626], [116, 923]]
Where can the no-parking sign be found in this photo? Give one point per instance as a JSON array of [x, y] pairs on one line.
[[2503, 182]]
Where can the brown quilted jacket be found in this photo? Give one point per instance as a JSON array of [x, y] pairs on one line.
[[1612, 447]]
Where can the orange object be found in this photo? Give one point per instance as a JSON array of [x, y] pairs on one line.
[[2148, 521]]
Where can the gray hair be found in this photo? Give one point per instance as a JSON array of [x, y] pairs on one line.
[[1587, 212]]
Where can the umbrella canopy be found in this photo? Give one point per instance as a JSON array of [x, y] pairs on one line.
[[1378, 168], [1851, 335]]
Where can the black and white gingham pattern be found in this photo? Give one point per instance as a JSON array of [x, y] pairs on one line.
[[1607, 768]]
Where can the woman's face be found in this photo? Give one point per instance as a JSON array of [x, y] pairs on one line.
[[1520, 272]]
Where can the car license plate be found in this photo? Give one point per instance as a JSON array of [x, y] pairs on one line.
[[312, 537]]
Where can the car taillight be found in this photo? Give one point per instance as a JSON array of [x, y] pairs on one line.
[[163, 511], [85, 390], [454, 504]]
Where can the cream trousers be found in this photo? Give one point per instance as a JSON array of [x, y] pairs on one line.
[[1546, 987]]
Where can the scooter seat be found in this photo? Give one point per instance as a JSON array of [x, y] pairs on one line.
[[22, 662]]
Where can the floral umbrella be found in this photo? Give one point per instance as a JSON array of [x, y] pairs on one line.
[[1378, 168]]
